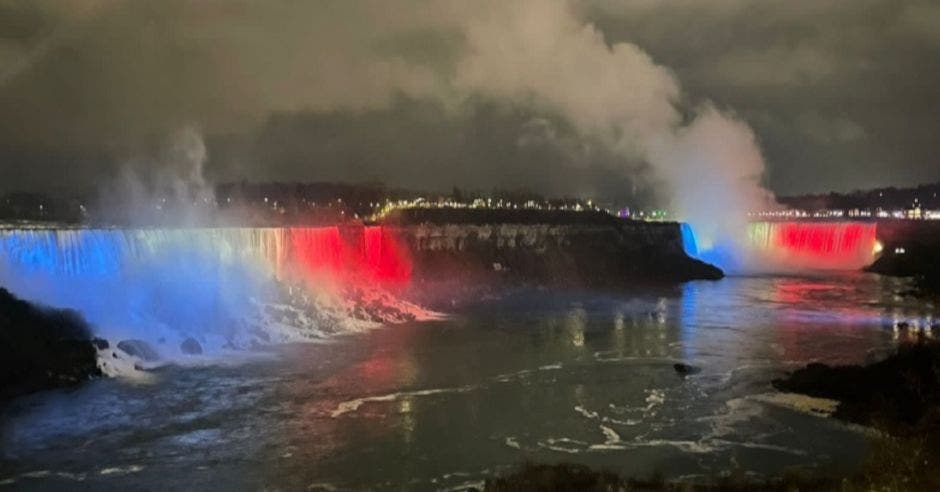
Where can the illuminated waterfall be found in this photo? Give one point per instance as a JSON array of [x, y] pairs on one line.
[[156, 283], [813, 245], [689, 244]]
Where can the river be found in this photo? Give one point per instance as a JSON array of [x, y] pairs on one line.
[[537, 376]]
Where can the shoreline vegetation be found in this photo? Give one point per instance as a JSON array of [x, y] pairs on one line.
[[898, 398]]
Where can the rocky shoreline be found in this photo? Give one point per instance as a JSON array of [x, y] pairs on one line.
[[896, 394], [43, 348]]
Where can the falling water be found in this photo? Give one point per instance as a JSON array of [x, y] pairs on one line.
[[159, 283], [813, 245], [689, 244]]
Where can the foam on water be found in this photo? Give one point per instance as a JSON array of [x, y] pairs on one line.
[[227, 288], [821, 407], [353, 405]]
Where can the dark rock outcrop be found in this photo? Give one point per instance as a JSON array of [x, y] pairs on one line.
[[685, 369], [910, 249], [894, 394], [921, 263], [487, 250], [140, 349], [42, 348], [191, 347], [551, 247]]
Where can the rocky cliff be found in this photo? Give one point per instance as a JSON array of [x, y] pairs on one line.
[[560, 250], [42, 348]]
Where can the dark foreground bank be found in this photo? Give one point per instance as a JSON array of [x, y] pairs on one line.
[[900, 394], [42, 348], [567, 477]]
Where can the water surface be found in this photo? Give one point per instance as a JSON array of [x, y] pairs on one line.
[[541, 377]]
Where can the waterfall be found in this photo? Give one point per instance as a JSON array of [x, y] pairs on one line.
[[102, 252], [689, 245], [814, 245], [159, 283], [385, 258]]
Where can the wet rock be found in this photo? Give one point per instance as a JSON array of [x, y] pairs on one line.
[[42, 348], [896, 392], [191, 347], [100, 343], [685, 369], [139, 349]]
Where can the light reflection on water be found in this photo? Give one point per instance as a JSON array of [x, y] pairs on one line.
[[540, 377]]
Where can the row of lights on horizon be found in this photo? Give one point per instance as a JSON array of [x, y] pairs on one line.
[[915, 212]]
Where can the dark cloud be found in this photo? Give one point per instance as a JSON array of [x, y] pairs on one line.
[[422, 145], [840, 94]]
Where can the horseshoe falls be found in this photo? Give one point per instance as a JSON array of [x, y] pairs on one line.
[[792, 246]]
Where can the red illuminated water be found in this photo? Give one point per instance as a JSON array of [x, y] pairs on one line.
[[815, 245], [370, 254], [385, 258]]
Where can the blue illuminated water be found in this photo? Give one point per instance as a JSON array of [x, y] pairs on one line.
[[538, 376], [145, 284], [688, 240], [724, 254]]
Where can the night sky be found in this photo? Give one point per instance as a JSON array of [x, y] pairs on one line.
[[556, 97]]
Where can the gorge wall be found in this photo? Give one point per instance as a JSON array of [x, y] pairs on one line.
[[449, 252]]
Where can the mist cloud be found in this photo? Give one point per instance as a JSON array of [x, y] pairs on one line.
[[95, 83]]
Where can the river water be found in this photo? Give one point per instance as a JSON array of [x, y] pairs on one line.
[[537, 376]]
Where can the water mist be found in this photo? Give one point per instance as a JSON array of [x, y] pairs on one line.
[[711, 164]]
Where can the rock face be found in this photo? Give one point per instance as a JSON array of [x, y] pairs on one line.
[[549, 249], [42, 348], [685, 369], [140, 349], [190, 347], [896, 393]]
